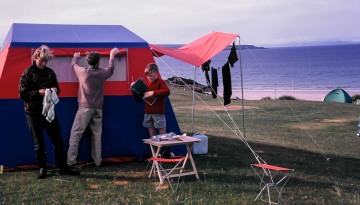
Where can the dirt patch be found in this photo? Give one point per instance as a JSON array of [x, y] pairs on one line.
[[310, 126], [94, 186], [336, 120], [121, 182], [217, 108], [322, 124]]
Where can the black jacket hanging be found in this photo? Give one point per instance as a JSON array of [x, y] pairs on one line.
[[227, 83], [233, 56], [214, 82]]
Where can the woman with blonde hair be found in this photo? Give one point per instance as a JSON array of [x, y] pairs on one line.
[[34, 82]]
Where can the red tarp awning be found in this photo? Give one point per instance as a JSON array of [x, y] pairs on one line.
[[199, 51]]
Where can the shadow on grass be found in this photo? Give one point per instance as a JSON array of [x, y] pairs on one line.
[[311, 169], [225, 178]]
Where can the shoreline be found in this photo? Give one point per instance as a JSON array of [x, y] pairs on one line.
[[306, 94], [310, 95]]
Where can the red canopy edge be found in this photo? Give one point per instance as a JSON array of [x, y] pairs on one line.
[[200, 50]]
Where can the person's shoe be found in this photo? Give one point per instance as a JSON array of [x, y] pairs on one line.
[[71, 165], [68, 171], [42, 173]]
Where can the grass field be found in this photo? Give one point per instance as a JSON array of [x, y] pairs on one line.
[[316, 139]]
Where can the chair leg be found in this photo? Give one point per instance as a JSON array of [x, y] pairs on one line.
[[260, 192], [268, 190], [166, 173]]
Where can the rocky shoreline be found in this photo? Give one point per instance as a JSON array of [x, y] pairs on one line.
[[188, 84]]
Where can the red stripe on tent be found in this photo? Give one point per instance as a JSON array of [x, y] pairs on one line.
[[70, 89], [3, 54], [16, 60]]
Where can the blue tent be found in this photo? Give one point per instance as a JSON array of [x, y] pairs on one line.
[[122, 115], [338, 95]]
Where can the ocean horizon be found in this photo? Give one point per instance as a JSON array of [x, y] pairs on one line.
[[306, 73]]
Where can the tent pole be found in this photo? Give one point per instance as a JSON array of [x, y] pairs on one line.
[[242, 88], [193, 104]]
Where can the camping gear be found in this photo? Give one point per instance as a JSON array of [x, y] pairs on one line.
[[202, 146], [338, 95], [122, 135]]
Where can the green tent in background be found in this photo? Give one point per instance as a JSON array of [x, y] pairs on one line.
[[338, 95]]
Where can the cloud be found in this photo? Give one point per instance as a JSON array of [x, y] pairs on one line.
[[258, 22]]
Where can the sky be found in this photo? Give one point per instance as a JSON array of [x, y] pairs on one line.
[[258, 22]]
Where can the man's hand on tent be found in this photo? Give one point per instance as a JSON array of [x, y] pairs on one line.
[[113, 52], [77, 54]]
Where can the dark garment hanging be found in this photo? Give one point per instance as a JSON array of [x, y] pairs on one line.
[[207, 77], [227, 83], [214, 82], [233, 56], [206, 67]]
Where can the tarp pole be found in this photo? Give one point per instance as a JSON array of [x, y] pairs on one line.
[[193, 104], [242, 87]]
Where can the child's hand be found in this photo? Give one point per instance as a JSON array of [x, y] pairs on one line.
[[149, 94]]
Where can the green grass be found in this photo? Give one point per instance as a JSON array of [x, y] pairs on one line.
[[316, 139]]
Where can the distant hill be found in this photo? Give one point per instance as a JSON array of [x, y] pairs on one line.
[[229, 47], [315, 43], [246, 47]]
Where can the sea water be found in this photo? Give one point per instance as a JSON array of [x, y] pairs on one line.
[[312, 68]]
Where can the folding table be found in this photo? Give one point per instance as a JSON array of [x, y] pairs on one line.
[[156, 146]]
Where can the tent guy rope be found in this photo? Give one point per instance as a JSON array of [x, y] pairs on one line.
[[237, 132]]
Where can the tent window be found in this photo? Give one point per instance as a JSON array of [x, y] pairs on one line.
[[62, 67]]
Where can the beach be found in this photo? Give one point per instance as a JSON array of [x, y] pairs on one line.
[[309, 95], [306, 73]]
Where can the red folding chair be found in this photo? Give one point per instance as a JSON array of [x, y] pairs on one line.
[[272, 179], [160, 166]]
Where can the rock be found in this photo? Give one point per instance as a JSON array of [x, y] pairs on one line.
[[188, 83]]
